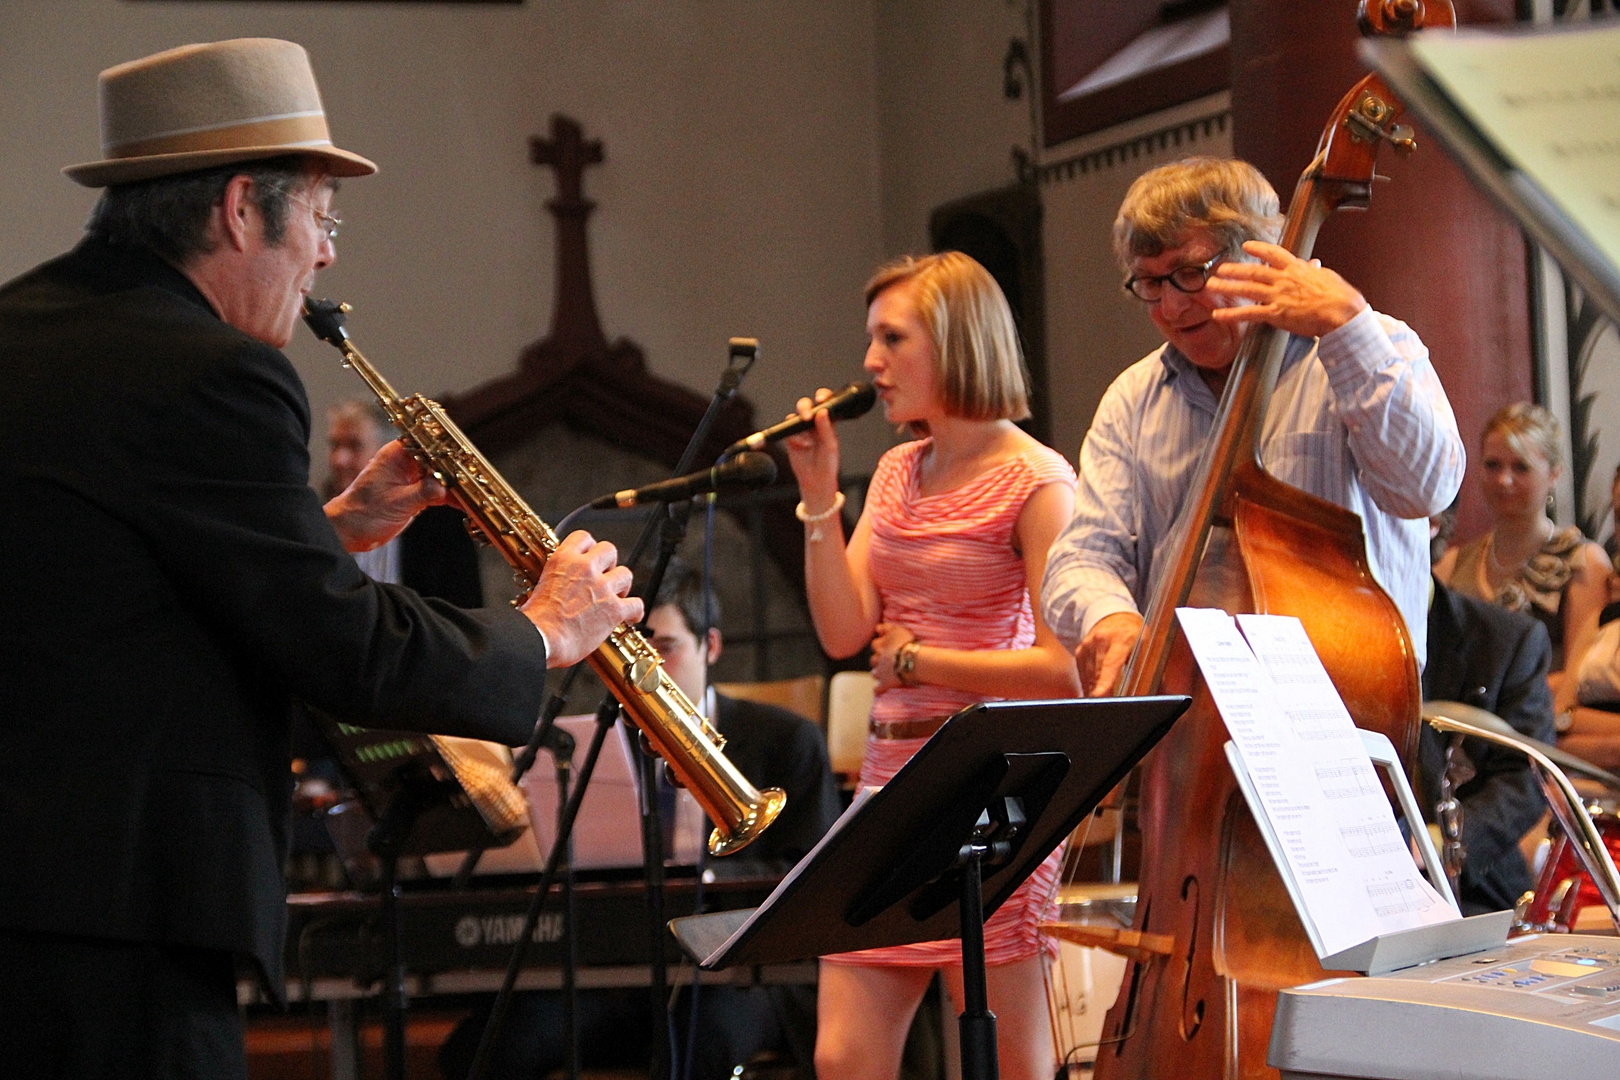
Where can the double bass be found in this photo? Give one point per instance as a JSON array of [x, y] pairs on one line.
[[1198, 1001]]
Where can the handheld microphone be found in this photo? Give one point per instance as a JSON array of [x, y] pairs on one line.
[[744, 471], [854, 400]]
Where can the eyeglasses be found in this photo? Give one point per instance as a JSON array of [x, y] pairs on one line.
[[328, 224], [325, 222], [1188, 279]]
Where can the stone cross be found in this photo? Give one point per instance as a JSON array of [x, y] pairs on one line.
[[568, 153], [574, 323]]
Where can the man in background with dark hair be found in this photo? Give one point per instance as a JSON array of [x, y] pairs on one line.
[[174, 584], [771, 746]]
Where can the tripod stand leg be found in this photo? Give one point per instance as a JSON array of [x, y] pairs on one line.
[[397, 999], [652, 845], [977, 1024]]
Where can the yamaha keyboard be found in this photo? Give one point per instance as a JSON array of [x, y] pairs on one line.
[[460, 940]]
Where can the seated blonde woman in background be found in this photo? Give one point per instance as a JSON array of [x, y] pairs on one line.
[[1526, 562]]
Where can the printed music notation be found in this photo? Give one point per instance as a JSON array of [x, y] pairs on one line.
[[1394, 897], [1318, 723], [1289, 669], [1346, 778], [1378, 838]]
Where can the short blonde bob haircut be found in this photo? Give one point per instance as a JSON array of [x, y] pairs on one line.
[[1528, 429], [1228, 198], [977, 359]]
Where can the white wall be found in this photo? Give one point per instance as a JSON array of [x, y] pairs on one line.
[[1093, 329], [763, 156], [741, 191], [946, 128]]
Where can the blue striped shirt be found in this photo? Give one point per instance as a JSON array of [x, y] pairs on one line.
[[1358, 418]]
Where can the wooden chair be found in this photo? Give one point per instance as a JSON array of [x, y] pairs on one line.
[[802, 695], [849, 706]]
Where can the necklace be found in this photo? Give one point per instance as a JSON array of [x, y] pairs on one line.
[[1512, 571]]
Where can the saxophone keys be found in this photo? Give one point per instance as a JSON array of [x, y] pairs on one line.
[[643, 674]]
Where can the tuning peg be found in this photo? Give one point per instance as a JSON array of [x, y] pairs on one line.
[[1368, 120]]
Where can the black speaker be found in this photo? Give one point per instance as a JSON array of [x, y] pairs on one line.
[[1002, 230]]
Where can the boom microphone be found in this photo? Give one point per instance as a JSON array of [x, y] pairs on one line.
[[854, 400], [748, 470]]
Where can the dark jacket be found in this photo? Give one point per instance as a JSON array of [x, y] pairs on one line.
[[774, 747], [1484, 655], [437, 558], [172, 584]]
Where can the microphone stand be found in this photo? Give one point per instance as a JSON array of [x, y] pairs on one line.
[[561, 745], [745, 350], [672, 532]]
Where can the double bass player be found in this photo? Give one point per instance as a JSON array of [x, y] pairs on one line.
[[1358, 416], [1303, 438]]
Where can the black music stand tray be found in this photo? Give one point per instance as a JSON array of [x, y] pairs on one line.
[[942, 845]]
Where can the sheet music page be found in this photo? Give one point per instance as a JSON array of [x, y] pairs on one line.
[[1318, 789], [1548, 102]]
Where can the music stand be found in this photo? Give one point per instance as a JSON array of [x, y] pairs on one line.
[[942, 845], [423, 800]]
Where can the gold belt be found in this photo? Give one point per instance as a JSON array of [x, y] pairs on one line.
[[906, 729]]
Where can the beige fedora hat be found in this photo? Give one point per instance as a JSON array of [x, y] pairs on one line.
[[204, 105]]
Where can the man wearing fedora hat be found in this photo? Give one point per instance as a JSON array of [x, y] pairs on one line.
[[174, 584]]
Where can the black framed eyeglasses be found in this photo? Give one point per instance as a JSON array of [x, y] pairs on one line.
[[1149, 288]]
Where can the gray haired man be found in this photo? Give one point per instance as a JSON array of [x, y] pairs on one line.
[[174, 584], [1358, 417]]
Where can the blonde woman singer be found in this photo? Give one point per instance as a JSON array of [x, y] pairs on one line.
[[938, 578]]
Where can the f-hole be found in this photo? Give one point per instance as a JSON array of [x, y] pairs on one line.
[[1192, 1012]]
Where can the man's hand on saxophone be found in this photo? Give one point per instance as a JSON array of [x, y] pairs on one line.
[[581, 598], [582, 595], [391, 490]]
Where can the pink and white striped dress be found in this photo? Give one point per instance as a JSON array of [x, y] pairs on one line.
[[946, 569]]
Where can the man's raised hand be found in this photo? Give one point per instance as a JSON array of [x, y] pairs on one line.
[[1304, 298], [391, 490]]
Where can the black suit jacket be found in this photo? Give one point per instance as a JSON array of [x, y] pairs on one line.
[[774, 747], [1484, 655], [437, 557], [172, 584]]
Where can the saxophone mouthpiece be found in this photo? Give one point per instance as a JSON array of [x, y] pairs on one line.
[[326, 318]]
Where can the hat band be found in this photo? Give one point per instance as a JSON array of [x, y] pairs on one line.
[[308, 129]]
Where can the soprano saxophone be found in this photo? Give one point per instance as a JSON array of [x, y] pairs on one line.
[[625, 662]]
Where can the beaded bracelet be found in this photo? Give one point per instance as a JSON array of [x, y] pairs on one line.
[[905, 662], [815, 520]]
